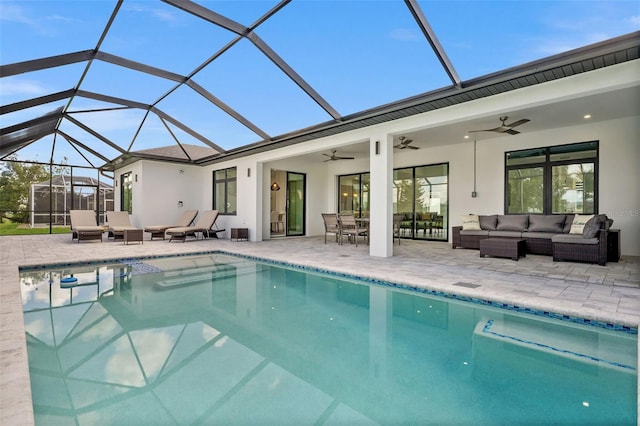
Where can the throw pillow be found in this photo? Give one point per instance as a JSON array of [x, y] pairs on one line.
[[470, 222], [579, 221]]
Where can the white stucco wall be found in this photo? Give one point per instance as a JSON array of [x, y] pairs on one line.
[[159, 186]]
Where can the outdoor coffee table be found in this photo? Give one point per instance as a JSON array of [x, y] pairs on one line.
[[503, 247]]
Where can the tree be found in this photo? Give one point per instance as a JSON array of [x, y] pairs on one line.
[[15, 183]]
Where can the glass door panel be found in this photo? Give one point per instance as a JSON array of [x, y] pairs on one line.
[[431, 202], [403, 200], [296, 200]]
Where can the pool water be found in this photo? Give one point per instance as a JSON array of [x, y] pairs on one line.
[[223, 339]]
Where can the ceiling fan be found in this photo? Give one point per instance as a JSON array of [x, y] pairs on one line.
[[334, 157], [404, 143], [504, 128]]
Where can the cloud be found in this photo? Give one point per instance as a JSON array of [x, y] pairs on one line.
[[15, 13], [634, 20], [161, 14], [405, 34], [12, 86]]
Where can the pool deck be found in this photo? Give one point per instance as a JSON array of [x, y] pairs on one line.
[[609, 294]]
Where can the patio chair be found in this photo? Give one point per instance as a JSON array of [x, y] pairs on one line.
[[204, 225], [397, 220], [277, 222], [331, 225], [349, 227], [118, 223], [185, 219], [84, 225]]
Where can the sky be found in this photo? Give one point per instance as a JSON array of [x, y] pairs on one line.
[[356, 54]]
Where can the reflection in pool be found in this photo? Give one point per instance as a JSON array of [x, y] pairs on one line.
[[218, 338]]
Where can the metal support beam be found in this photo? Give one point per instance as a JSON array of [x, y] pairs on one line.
[[428, 32]]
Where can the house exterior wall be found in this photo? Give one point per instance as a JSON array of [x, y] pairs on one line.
[[619, 195]]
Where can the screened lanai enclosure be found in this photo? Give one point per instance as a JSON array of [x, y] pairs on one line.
[[51, 200], [98, 85]]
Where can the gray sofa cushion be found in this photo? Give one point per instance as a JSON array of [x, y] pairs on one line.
[[546, 235], [573, 239], [546, 223], [488, 222], [507, 234], [567, 223], [516, 222], [592, 227], [483, 233]]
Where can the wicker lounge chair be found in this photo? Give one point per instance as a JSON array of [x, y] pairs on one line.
[[84, 225], [158, 231], [118, 223], [204, 225]]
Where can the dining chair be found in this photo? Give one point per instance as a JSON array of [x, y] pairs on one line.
[[331, 225], [349, 227]]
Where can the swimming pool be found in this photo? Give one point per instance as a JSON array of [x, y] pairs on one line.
[[226, 339]]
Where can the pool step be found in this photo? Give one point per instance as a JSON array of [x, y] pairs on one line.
[[598, 347]]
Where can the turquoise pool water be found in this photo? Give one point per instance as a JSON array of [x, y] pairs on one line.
[[221, 339]]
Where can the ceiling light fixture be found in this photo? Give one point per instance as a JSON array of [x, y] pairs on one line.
[[587, 116], [275, 186]]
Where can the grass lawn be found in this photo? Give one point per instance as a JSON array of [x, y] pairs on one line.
[[13, 228]]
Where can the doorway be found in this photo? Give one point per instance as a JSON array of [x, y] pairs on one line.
[[287, 203]]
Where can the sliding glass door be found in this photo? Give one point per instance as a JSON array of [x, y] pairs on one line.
[[296, 200], [420, 194]]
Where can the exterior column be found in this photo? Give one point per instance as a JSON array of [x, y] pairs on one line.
[[381, 170]]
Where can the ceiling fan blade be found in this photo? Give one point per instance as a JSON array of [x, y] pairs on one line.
[[412, 147], [519, 122], [512, 132], [399, 146], [344, 158]]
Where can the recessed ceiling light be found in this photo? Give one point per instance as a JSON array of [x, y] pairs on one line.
[[466, 136], [587, 116]]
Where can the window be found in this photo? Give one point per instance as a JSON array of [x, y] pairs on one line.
[[224, 191], [354, 194], [126, 192], [420, 193], [558, 179]]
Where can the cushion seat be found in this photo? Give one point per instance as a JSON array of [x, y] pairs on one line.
[[545, 235], [573, 239]]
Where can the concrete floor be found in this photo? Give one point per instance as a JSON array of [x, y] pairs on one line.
[[609, 293]]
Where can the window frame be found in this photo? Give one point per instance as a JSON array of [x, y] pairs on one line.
[[228, 210], [547, 164]]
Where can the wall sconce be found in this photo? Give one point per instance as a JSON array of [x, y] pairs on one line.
[[377, 147], [136, 177], [275, 186], [180, 204], [249, 172]]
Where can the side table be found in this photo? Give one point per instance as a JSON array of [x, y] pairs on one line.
[[133, 235], [239, 234], [613, 245]]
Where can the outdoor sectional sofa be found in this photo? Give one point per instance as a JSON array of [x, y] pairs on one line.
[[544, 234]]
